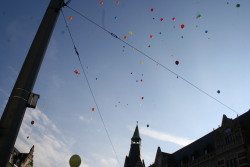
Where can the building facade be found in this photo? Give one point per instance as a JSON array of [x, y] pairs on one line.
[[134, 158], [18, 159], [226, 146]]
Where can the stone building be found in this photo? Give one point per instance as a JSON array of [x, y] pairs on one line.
[[226, 146], [18, 159], [134, 158]]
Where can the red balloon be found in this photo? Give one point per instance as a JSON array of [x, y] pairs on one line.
[[182, 26], [176, 62], [161, 19], [173, 18], [151, 9], [142, 98], [32, 122]]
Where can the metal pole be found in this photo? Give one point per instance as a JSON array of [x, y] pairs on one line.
[[15, 109]]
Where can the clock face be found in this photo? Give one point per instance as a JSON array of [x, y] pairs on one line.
[[228, 130]]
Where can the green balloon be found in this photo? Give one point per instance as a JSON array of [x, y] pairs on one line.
[[75, 161]]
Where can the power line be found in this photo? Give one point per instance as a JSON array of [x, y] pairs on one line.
[[144, 54], [92, 94]]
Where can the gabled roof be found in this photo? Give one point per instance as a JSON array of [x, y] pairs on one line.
[[208, 141]]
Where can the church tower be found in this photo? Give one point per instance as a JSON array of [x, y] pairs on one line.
[[134, 158]]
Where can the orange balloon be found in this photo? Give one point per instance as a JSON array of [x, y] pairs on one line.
[[70, 18], [101, 2], [125, 37], [93, 109]]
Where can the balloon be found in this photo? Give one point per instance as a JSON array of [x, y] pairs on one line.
[[206, 31], [93, 109], [151, 36], [140, 62], [161, 19], [101, 2], [141, 80], [76, 72], [117, 2], [130, 32], [151, 9], [182, 26], [173, 18], [218, 91], [147, 125], [238, 5], [70, 18], [176, 62], [125, 37], [198, 16], [32, 122], [142, 98], [75, 161]]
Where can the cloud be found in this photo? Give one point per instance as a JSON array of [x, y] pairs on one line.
[[4, 92], [51, 147], [108, 161], [105, 161], [13, 70], [165, 137], [81, 118]]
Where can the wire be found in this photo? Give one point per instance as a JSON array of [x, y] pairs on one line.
[[92, 94], [144, 54]]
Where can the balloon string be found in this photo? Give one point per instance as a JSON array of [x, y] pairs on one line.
[[92, 94]]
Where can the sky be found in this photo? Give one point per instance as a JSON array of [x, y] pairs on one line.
[[132, 79]]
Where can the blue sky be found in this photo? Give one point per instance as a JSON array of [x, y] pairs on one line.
[[177, 113]]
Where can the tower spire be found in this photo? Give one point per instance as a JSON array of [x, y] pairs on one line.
[[134, 158], [136, 137]]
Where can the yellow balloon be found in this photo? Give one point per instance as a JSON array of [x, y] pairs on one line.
[[75, 161]]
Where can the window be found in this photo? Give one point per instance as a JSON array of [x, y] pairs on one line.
[[229, 139], [181, 163], [205, 151], [232, 163]]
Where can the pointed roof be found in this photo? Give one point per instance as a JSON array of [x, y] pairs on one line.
[[136, 136]]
